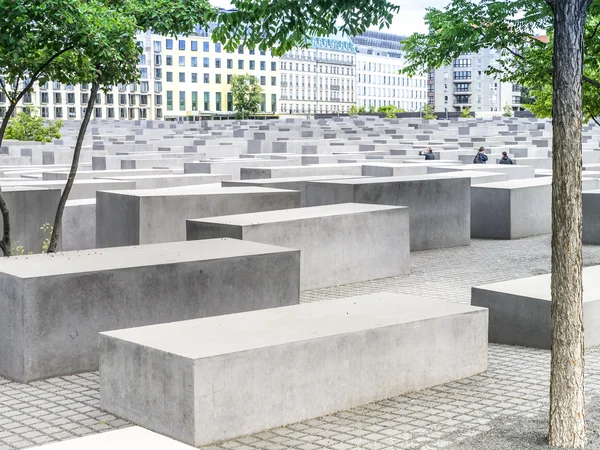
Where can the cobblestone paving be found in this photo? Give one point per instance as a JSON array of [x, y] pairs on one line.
[[516, 383]]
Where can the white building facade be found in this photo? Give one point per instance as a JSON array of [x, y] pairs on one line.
[[180, 78], [379, 60], [465, 84], [319, 79]]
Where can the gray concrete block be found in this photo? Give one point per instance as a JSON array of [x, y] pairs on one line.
[[340, 244], [591, 217], [223, 377], [519, 310], [439, 207], [54, 307], [79, 225], [152, 216]]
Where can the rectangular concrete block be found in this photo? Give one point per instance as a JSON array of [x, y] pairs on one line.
[[439, 207], [227, 376], [54, 307], [519, 310], [153, 216], [339, 244], [591, 217], [79, 225]]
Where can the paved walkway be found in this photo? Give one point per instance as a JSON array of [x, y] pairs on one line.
[[453, 415]]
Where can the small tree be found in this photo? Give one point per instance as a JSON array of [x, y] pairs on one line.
[[247, 95], [389, 111], [362, 110], [465, 113], [428, 113], [31, 127], [508, 111], [353, 111]]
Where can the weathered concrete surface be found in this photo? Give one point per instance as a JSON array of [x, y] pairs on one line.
[[227, 376], [54, 307]]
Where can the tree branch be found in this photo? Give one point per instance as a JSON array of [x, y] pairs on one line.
[[595, 30]]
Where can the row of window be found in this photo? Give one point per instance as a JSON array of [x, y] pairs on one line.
[[389, 80], [206, 103], [308, 95], [390, 92], [206, 78], [304, 109], [206, 63], [306, 68]]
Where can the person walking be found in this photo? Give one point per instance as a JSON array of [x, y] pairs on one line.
[[505, 159], [480, 157]]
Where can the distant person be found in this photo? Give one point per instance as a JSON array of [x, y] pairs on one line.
[[429, 155], [505, 159], [480, 157]]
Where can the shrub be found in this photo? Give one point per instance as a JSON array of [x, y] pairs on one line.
[[428, 113], [353, 111], [31, 127], [465, 113], [508, 111]]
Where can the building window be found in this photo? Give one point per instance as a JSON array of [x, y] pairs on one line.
[[230, 63], [181, 44], [98, 113], [43, 97], [169, 77], [110, 113], [144, 86], [462, 63], [218, 101], [205, 62], [143, 100], [205, 47], [217, 47], [70, 98], [122, 113], [263, 65], [122, 99], [181, 100], [169, 44], [194, 78], [240, 50], [132, 99], [207, 78], [263, 81], [157, 46], [72, 113], [84, 98], [207, 101], [182, 77], [58, 98], [240, 64], [229, 101], [110, 99], [169, 61], [194, 45], [58, 113], [218, 63], [182, 61], [194, 101], [194, 61], [252, 65], [159, 113], [158, 100], [169, 100], [218, 78], [228, 79], [273, 81], [273, 102]]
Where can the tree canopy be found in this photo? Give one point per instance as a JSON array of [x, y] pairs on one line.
[[511, 28], [247, 94]]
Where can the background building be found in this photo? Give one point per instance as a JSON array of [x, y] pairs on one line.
[[465, 84], [379, 58], [319, 79], [187, 77]]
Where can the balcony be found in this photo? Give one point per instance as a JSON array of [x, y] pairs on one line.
[[334, 87], [462, 91], [283, 84]]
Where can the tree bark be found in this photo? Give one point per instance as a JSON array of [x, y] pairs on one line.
[[567, 420], [5, 243], [74, 165]]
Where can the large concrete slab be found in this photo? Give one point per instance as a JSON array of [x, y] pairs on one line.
[[519, 310], [514, 209], [131, 438], [439, 206], [222, 377], [340, 244], [54, 306], [591, 217], [158, 215]]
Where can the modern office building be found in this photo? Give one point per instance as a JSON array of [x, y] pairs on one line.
[[465, 84], [378, 61], [319, 79], [186, 77]]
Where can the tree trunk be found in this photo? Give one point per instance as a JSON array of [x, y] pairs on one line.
[[74, 165], [5, 243], [567, 421]]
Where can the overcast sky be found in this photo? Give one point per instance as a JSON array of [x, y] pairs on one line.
[[409, 20]]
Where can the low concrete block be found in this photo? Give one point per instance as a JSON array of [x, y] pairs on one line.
[[132, 438], [591, 217], [514, 209], [153, 216], [339, 244], [227, 376], [440, 206], [53, 308], [519, 310], [79, 225]]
